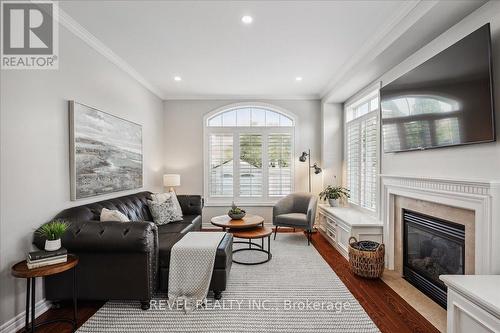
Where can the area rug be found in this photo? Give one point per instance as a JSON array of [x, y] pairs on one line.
[[294, 292]]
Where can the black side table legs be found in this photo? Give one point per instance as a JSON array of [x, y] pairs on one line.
[[31, 293]]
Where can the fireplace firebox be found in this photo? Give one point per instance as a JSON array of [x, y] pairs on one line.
[[431, 247]]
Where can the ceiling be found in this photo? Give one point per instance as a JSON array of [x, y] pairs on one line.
[[217, 56]]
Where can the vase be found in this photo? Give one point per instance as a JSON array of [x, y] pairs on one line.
[[236, 216], [333, 202], [52, 245]]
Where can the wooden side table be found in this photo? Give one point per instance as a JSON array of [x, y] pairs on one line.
[[250, 234], [249, 221], [21, 270]]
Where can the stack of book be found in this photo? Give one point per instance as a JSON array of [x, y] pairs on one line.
[[42, 258]]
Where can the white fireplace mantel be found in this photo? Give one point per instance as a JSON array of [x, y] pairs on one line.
[[482, 197]]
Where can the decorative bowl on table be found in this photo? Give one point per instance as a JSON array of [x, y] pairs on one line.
[[236, 213]]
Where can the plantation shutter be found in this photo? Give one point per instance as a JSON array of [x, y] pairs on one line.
[[369, 143], [221, 165], [250, 165], [279, 152], [362, 152], [353, 136]]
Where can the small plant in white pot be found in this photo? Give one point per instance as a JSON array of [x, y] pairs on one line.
[[333, 194], [236, 213], [53, 232]]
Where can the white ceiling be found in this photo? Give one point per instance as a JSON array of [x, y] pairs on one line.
[[217, 56]]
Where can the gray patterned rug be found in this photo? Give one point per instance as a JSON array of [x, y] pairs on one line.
[[295, 292]]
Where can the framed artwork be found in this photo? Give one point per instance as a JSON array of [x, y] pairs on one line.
[[105, 152]]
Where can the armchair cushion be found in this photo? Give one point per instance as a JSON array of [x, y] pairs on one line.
[[292, 219], [295, 210]]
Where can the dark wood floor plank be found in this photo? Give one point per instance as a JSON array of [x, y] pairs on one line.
[[387, 309]]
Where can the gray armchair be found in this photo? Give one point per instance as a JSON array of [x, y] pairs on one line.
[[296, 210]]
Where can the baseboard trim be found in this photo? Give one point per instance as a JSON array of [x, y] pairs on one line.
[[15, 324]]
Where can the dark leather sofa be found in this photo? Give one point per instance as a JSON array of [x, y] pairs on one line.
[[128, 260]]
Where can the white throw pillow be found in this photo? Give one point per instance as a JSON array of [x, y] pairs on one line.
[[113, 215], [176, 202], [164, 212], [160, 197]]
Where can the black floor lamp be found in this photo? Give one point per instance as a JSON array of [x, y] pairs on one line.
[[306, 156]]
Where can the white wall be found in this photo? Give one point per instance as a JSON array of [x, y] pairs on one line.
[[332, 143], [480, 161], [35, 146], [184, 144]]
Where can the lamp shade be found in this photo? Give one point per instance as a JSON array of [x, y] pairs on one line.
[[171, 180]]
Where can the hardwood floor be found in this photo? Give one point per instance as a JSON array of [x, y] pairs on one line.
[[389, 311], [86, 309]]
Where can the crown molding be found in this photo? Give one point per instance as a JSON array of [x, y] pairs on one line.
[[242, 97], [79, 31], [410, 13]]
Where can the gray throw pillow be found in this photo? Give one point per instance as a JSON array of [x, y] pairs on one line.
[[164, 212]]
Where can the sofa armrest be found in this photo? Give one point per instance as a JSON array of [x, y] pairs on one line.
[[191, 204], [95, 236]]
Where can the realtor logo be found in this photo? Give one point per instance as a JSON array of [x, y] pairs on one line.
[[29, 35]]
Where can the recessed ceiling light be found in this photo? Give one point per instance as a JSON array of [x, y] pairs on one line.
[[298, 78], [177, 78], [247, 19]]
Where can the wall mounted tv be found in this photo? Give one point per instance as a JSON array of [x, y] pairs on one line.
[[446, 101]]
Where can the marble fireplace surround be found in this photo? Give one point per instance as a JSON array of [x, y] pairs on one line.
[[477, 206]]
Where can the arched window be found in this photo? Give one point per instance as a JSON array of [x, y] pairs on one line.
[[248, 154], [250, 117]]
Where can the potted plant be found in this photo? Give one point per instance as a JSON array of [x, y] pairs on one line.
[[333, 194], [53, 231], [236, 213]]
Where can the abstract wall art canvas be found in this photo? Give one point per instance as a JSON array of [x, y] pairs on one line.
[[106, 152]]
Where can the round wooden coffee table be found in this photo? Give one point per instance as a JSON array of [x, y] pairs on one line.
[[260, 232], [21, 270], [249, 221], [250, 227]]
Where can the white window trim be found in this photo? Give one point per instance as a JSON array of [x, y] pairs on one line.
[[264, 201], [353, 102]]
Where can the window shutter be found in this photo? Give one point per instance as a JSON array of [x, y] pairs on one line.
[[362, 152], [248, 157], [353, 136], [279, 152], [221, 165], [250, 165], [369, 130]]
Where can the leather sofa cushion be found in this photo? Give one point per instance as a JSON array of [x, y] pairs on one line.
[[190, 204], [189, 223], [134, 206], [165, 243], [96, 236]]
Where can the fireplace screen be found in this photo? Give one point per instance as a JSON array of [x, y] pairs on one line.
[[432, 247]]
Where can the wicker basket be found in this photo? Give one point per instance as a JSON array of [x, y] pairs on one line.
[[366, 263]]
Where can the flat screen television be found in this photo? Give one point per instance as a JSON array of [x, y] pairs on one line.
[[446, 101]]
